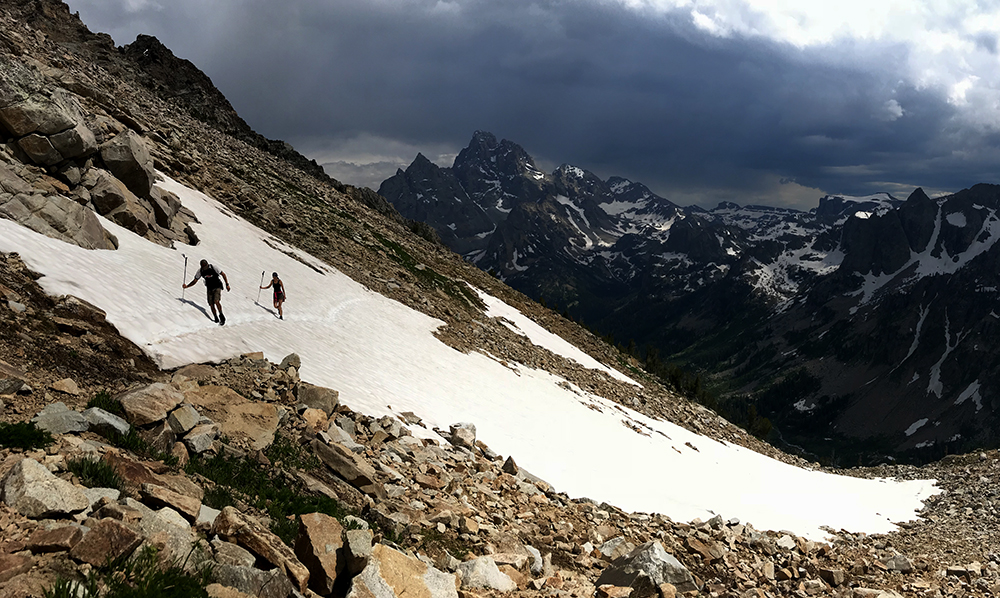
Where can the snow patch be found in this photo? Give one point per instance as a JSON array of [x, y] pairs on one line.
[[915, 426], [972, 392], [956, 219]]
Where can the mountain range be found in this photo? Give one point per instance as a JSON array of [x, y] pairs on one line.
[[861, 328]]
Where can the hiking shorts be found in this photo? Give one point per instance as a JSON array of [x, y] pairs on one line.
[[214, 296]]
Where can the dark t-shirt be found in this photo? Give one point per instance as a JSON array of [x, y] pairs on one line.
[[211, 277]]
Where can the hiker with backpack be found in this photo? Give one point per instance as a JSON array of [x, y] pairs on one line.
[[214, 278], [279, 293]]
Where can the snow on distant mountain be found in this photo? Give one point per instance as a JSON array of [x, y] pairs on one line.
[[773, 291], [384, 359]]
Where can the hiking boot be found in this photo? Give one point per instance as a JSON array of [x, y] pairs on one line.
[[216, 318], [222, 319]]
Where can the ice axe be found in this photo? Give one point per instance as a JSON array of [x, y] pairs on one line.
[[258, 287]]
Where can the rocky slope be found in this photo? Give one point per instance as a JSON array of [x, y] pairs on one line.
[[857, 327]]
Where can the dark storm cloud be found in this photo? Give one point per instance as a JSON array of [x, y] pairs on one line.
[[616, 91]]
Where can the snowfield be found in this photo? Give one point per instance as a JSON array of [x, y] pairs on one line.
[[384, 359]]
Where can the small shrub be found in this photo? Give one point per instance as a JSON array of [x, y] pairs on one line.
[[23, 435], [138, 577], [103, 400], [291, 453], [262, 489], [136, 444], [94, 473]]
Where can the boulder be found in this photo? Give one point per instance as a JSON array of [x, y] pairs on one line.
[[357, 549], [616, 548], [318, 397], [319, 546], [898, 563], [165, 206], [183, 419], [482, 573], [105, 423], [291, 360], [197, 371], [351, 467], [252, 581], [645, 568], [235, 527], [75, 142], [201, 437], [463, 434], [227, 553], [170, 533], [237, 417], [151, 403], [57, 418], [109, 539], [57, 217], [340, 436], [39, 149], [127, 157], [31, 490], [38, 113], [116, 202], [158, 496], [391, 573], [57, 539]]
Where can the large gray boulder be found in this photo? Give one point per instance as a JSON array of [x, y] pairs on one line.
[[105, 423], [31, 490], [40, 113], [50, 124], [483, 573], [115, 201], [57, 217], [127, 157], [57, 418], [645, 569], [151, 403], [75, 142]]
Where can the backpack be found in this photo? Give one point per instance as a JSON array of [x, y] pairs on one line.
[[212, 278]]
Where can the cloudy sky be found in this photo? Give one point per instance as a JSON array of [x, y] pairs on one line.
[[754, 101]]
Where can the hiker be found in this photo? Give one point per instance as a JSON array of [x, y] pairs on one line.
[[279, 293], [213, 284]]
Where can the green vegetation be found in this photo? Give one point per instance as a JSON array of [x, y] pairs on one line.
[[23, 435], [137, 445], [428, 277], [138, 577], [103, 400], [431, 537], [95, 473], [241, 480]]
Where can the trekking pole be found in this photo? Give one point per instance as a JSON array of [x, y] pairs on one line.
[[258, 287], [185, 275]]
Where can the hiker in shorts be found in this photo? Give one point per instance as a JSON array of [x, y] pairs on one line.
[[213, 284], [279, 293]]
